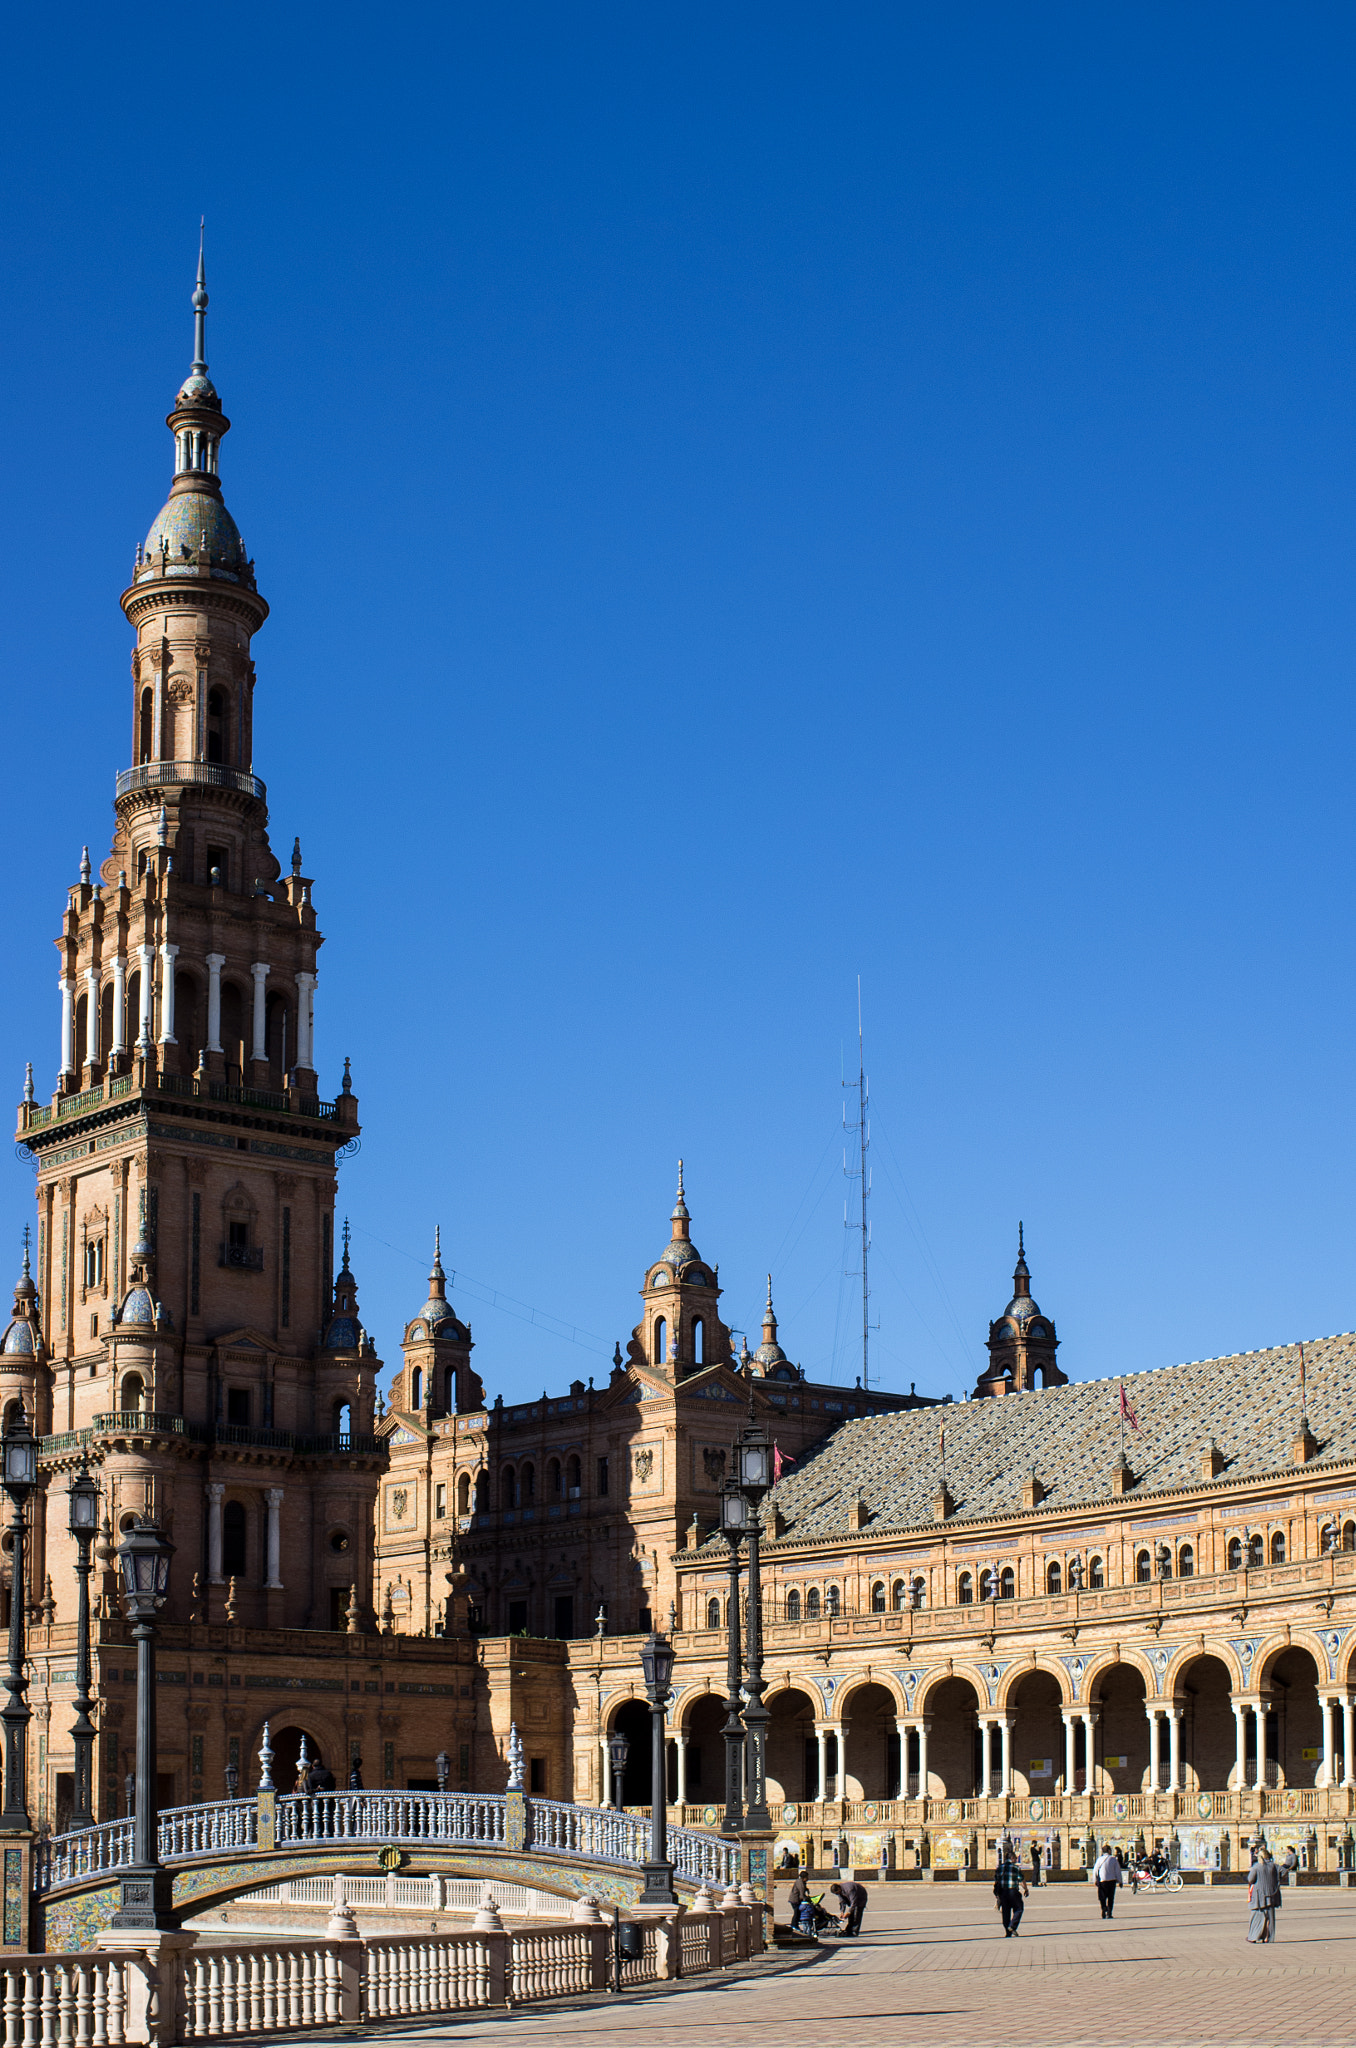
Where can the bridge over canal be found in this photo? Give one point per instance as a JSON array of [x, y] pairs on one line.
[[220, 1850]]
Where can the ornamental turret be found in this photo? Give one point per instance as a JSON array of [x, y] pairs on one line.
[[437, 1378], [681, 1331], [1022, 1342]]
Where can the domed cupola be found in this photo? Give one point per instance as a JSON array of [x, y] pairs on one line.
[[769, 1361], [438, 1310], [1022, 1342], [22, 1340], [437, 1376], [682, 1329], [343, 1332], [193, 532], [138, 1304]]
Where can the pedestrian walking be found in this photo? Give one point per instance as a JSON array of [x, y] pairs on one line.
[[1264, 1895], [853, 1897], [1036, 1865], [1108, 1876], [1010, 1890]]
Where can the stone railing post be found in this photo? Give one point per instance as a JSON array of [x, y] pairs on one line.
[[715, 1939], [155, 1994], [497, 1954], [668, 1947]]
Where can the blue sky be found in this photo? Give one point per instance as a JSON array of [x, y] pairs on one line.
[[750, 496]]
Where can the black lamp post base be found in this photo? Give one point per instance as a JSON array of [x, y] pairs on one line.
[[658, 1886], [145, 1900]]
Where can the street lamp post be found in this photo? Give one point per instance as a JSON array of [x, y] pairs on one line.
[[753, 1463], [19, 1460], [144, 1562], [83, 1504], [656, 1661], [618, 1749], [734, 1515]]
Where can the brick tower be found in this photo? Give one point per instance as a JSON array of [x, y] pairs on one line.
[[192, 1340]]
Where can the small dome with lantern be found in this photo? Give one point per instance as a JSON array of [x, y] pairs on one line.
[[23, 1338]]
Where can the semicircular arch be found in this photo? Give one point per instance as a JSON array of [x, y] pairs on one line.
[[1182, 1661], [858, 1681], [932, 1681], [1103, 1661], [1275, 1645], [1017, 1674]]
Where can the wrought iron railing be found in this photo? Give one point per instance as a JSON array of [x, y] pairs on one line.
[[205, 774]]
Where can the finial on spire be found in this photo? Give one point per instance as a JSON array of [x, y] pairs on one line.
[[679, 1217], [84, 864], [768, 1314], [29, 1095], [438, 1245], [347, 1234], [162, 828], [296, 856], [680, 1180], [27, 1266], [200, 305], [1021, 1247]]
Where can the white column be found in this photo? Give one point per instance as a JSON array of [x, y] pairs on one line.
[[215, 1491], [168, 956], [822, 1742], [923, 1726], [1155, 1751], [1089, 1761], [274, 1499], [215, 963], [67, 989], [119, 1004], [841, 1732], [985, 1755], [1067, 1717], [603, 1787], [1174, 1749], [1240, 1748], [260, 973], [91, 1013], [1005, 1731], [146, 954], [1325, 1767], [680, 1747], [305, 1020], [1348, 1716]]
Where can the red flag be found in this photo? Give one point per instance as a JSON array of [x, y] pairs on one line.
[[780, 1461], [1128, 1412]]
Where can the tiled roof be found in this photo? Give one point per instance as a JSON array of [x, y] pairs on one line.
[[1249, 1405]]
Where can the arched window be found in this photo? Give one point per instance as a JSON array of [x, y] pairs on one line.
[[793, 1604], [699, 1342], [661, 1340], [878, 1597], [463, 1493], [812, 1604], [216, 725], [965, 1589], [574, 1478], [482, 1493], [133, 1394], [1144, 1568], [527, 1485], [508, 1490], [1096, 1576], [1186, 1562], [1349, 1535], [343, 1418], [234, 1555], [1007, 1583], [11, 1417], [988, 1586], [1234, 1555], [920, 1592], [554, 1482], [416, 1388], [1278, 1546], [106, 1021], [1256, 1549], [81, 1027], [145, 726], [450, 1390], [1053, 1577], [899, 1596], [713, 1613], [831, 1601]]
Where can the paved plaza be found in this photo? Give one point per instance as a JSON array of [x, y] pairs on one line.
[[933, 1967]]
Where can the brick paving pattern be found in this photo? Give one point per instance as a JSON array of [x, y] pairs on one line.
[[933, 1967]]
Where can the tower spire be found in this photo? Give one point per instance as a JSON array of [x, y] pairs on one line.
[[199, 366], [679, 1219]]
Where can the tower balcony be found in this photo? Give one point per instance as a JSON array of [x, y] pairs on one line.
[[111, 1096], [203, 774]]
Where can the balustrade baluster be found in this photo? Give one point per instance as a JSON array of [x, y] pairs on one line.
[[84, 2009], [100, 1975], [49, 2008], [214, 1994]]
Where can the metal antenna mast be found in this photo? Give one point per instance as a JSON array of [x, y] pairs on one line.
[[862, 1130]]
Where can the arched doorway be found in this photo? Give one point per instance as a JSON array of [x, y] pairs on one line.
[[1294, 1720], [632, 1719], [1205, 1692], [703, 1725], [286, 1743], [952, 1711], [870, 1761], [792, 1753], [1037, 1733], [1120, 1736]]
